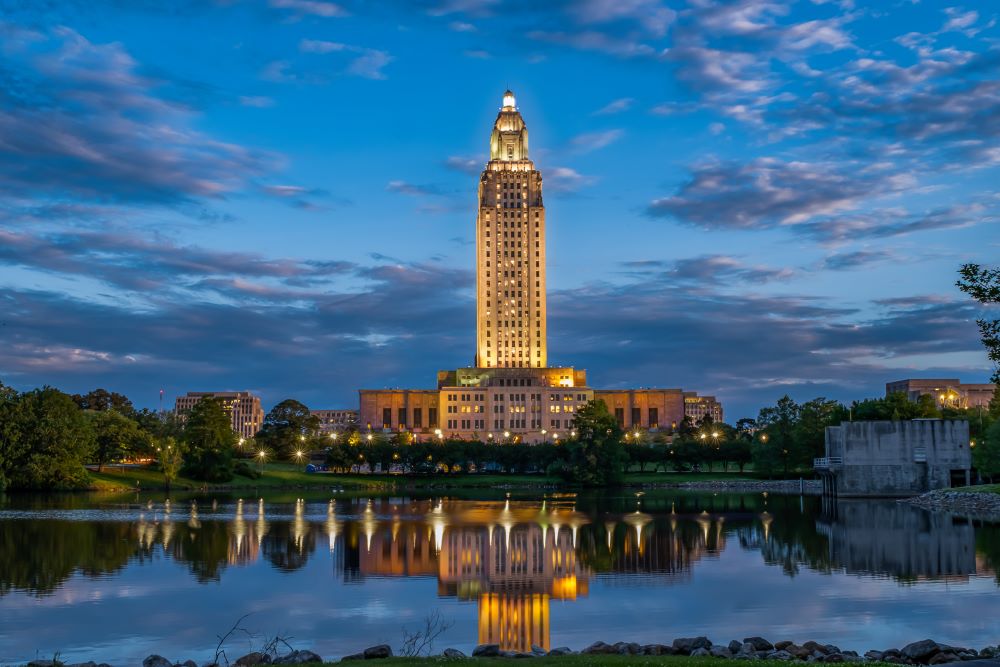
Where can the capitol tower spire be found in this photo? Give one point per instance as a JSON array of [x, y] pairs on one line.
[[510, 251]]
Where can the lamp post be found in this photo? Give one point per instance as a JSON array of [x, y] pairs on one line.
[[261, 455], [299, 454]]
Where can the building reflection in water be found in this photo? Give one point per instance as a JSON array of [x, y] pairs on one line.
[[899, 540], [514, 559]]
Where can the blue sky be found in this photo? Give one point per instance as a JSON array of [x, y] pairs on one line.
[[745, 198]]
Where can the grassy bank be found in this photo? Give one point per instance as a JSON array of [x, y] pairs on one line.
[[980, 488], [287, 476], [584, 661]]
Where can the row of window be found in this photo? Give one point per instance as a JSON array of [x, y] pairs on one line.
[[418, 418]]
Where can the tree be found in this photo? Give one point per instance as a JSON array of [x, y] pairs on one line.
[[116, 436], [286, 426], [983, 285], [12, 442], [51, 441], [986, 453], [100, 400], [171, 457], [779, 423], [209, 437], [810, 431], [596, 455]]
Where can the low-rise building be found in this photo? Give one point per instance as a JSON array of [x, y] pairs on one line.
[[335, 421], [243, 407], [947, 392], [895, 458]]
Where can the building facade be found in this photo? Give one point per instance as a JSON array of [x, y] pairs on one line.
[[511, 394], [243, 407], [335, 421], [948, 392]]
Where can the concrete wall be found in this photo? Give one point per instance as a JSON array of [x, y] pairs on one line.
[[897, 458]]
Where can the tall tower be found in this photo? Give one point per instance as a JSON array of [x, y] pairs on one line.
[[510, 251]]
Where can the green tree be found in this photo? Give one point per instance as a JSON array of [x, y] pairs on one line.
[[171, 457], [116, 436], [100, 400], [779, 425], [52, 441], [209, 438], [986, 453], [596, 456], [810, 430], [286, 427], [983, 285]]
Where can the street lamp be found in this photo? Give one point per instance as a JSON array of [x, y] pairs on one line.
[[555, 436], [369, 437], [298, 455], [261, 455]]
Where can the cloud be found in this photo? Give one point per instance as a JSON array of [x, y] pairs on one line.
[[958, 19], [321, 46], [566, 180], [616, 106], [466, 165], [478, 53], [366, 63], [767, 192], [853, 260], [709, 270], [320, 8], [257, 101], [412, 189], [592, 141], [79, 121]]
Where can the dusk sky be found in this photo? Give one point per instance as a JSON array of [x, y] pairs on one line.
[[744, 198]]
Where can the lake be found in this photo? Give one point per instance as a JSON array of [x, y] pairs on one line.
[[117, 579]]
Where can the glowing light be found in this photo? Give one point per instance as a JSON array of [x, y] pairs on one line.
[[509, 100]]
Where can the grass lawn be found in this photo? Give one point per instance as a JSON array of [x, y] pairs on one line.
[[584, 661], [289, 476], [981, 488]]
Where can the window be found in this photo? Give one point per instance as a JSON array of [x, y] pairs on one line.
[[386, 417], [654, 418], [636, 416], [620, 416], [418, 415], [432, 417]]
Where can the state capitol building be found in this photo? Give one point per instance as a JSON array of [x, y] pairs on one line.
[[511, 394]]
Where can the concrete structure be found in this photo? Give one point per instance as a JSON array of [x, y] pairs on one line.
[[895, 458], [335, 421], [511, 394], [243, 407], [947, 392]]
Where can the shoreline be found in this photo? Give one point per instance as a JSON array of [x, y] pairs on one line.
[[971, 502], [688, 651]]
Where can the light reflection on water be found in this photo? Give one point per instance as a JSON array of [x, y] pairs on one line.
[[116, 581]]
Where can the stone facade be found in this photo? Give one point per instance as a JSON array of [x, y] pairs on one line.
[[895, 458], [334, 421], [243, 407], [947, 392]]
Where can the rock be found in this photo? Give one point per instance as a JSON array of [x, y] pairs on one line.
[[353, 656], [297, 658], [720, 652], [780, 655], [687, 645], [874, 656], [249, 660], [735, 646], [90, 663], [561, 650], [55, 663], [150, 661], [192, 663], [486, 651], [782, 645], [798, 652], [989, 652], [378, 652], [537, 650], [599, 648], [942, 658], [623, 648], [516, 654], [700, 653], [832, 657], [813, 647], [453, 654], [830, 648], [658, 649], [921, 651], [759, 643]]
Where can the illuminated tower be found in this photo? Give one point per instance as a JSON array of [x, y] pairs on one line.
[[510, 251]]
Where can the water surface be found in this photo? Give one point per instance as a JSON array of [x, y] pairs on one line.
[[116, 580]]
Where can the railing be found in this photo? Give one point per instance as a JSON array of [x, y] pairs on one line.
[[827, 462]]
